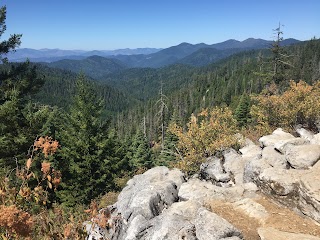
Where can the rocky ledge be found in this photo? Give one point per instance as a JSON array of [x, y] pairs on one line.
[[239, 196]]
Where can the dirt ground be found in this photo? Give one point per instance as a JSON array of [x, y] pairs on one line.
[[280, 217]]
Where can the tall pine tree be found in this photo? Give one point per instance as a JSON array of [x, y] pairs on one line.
[[89, 158]]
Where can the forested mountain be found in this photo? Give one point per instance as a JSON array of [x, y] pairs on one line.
[[94, 66], [149, 57], [189, 89], [59, 87]]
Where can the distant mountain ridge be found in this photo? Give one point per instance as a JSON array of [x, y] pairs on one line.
[[98, 64], [50, 55], [140, 57]]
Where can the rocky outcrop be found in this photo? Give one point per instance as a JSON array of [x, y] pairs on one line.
[[144, 198], [289, 176], [162, 204]]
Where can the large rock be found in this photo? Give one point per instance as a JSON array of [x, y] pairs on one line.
[[211, 226], [251, 151], [282, 145], [274, 158], [253, 168], [234, 164], [176, 222], [274, 234], [280, 183], [302, 156], [316, 139], [276, 136], [145, 197], [309, 193], [213, 171], [305, 134]]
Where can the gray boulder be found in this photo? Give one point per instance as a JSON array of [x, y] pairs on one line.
[[316, 139], [211, 226], [274, 158], [309, 193], [213, 171], [276, 136], [234, 164], [306, 134], [282, 145], [302, 156], [176, 222], [253, 168], [145, 196], [251, 151]]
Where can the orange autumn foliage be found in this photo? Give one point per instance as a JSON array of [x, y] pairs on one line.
[[16, 222], [47, 145]]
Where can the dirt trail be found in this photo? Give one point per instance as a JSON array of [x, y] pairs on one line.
[[280, 217]]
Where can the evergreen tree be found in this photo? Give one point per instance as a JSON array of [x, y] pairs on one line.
[[12, 42], [168, 154], [242, 112], [90, 160], [139, 153], [17, 84]]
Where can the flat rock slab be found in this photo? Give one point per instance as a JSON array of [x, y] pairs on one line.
[[252, 209], [274, 234], [302, 156], [201, 191]]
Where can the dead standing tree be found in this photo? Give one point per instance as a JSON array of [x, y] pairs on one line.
[[161, 114]]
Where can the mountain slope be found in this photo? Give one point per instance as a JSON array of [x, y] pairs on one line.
[[205, 56], [176, 54], [60, 84], [94, 66]]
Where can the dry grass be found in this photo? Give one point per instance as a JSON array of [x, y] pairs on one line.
[[280, 218]]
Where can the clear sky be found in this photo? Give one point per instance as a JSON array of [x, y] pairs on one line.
[[114, 24]]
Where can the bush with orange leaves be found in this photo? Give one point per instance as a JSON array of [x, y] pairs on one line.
[[299, 104], [207, 133], [15, 221], [28, 191]]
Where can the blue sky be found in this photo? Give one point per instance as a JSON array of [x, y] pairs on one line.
[[114, 24]]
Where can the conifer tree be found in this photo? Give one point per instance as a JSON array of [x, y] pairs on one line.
[[17, 84], [90, 161], [242, 112], [139, 153]]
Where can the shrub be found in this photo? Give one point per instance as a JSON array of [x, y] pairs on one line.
[[207, 133], [300, 104]]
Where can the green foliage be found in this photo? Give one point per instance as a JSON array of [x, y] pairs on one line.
[[139, 153], [12, 42], [17, 85], [91, 160], [242, 112]]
